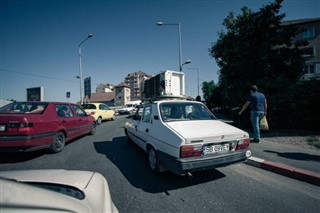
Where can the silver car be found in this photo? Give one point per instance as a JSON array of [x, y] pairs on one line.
[[54, 191]]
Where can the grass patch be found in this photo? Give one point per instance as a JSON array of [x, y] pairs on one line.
[[313, 141]]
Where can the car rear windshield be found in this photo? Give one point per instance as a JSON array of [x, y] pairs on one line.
[[24, 108], [89, 106], [185, 111]]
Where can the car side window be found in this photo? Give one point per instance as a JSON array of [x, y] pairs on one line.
[[64, 110], [146, 115], [79, 111], [104, 107]]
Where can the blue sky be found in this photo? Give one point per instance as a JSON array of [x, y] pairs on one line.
[[39, 40]]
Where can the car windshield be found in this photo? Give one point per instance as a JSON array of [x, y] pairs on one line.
[[89, 106], [185, 111], [63, 189], [24, 108]]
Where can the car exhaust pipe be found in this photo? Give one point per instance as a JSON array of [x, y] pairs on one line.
[[190, 176]]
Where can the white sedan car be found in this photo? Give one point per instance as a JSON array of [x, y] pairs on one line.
[[54, 191], [184, 136]]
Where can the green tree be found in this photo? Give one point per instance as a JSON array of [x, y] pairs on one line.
[[208, 88], [256, 49]]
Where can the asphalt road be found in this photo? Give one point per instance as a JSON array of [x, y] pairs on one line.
[[134, 188]]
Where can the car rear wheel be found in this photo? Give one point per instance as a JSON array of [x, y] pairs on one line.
[[58, 142], [93, 128], [99, 120], [153, 160]]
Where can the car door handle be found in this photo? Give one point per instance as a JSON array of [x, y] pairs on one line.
[[147, 130]]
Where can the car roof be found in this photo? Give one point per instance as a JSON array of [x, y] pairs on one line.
[[41, 102], [95, 104], [176, 101]]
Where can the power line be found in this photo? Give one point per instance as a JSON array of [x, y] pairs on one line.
[[36, 75]]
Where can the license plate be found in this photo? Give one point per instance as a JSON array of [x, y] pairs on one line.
[[2, 128], [211, 149]]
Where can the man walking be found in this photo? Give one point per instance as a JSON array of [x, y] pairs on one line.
[[258, 103]]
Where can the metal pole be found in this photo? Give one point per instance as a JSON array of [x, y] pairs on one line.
[[198, 81], [179, 34], [80, 69], [80, 75], [180, 51]]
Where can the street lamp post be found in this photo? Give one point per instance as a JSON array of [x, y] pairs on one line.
[[80, 68], [197, 77], [160, 23]]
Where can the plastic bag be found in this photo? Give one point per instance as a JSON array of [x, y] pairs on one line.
[[264, 123]]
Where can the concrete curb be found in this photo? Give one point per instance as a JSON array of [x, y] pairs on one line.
[[282, 169]]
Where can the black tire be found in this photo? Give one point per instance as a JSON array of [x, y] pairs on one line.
[[93, 128], [129, 139], [99, 120], [58, 142], [153, 160], [113, 117]]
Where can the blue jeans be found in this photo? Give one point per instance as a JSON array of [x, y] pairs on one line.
[[255, 120]]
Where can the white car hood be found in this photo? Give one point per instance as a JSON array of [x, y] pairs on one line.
[[78, 179], [207, 130]]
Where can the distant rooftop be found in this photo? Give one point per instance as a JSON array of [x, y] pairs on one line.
[[300, 21]]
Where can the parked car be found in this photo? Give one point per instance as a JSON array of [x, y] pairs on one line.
[[127, 109], [54, 191], [28, 126], [99, 111], [184, 136]]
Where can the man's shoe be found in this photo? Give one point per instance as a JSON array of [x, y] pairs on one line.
[[255, 140]]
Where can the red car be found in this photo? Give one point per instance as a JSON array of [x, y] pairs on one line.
[[28, 126]]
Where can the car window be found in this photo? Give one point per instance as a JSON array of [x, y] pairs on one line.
[[24, 107], [184, 111], [79, 111], [89, 106], [104, 107], [63, 189], [64, 110], [146, 115]]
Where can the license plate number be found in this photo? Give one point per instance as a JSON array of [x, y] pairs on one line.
[[211, 149], [2, 128]]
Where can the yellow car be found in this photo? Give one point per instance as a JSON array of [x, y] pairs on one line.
[[99, 111]]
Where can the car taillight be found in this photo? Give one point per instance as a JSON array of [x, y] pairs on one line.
[[190, 151], [18, 127], [243, 144], [92, 113]]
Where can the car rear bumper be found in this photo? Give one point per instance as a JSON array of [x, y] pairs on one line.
[[25, 143], [182, 166]]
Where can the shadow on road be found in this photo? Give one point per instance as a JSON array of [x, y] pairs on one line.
[[16, 157], [296, 155], [133, 163]]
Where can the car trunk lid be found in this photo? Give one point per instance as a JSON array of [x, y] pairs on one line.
[[206, 131]]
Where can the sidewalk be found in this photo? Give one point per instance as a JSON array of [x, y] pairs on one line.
[[286, 159]]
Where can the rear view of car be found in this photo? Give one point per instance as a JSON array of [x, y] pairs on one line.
[[99, 111], [184, 136], [28, 126]]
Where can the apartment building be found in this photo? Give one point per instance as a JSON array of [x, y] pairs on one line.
[[134, 80], [311, 33]]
